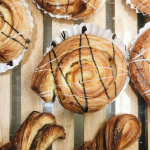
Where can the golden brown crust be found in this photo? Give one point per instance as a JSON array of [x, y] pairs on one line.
[[91, 145], [50, 134], [118, 133], [142, 5], [37, 132], [139, 65], [27, 132], [104, 73], [14, 29], [6, 146], [76, 8]]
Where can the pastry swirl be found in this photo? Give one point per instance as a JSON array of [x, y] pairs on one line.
[[75, 8], [38, 132], [142, 5], [14, 29], [118, 133], [85, 72], [139, 65]]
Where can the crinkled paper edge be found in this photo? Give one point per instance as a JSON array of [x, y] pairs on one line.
[[101, 32], [3, 66], [133, 7], [64, 16]]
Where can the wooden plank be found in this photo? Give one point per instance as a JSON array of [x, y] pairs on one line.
[[29, 100], [94, 121], [5, 106], [63, 116], [126, 29]]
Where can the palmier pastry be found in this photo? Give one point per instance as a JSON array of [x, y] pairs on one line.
[[75, 8], [14, 29], [142, 5], [140, 65], [38, 132], [85, 72], [118, 133]]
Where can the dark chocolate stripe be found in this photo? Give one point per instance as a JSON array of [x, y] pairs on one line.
[[83, 7], [141, 55], [42, 3], [13, 39], [82, 74], [3, 57], [12, 27], [67, 6], [140, 73], [67, 82], [113, 51], [97, 68], [115, 88], [54, 77]]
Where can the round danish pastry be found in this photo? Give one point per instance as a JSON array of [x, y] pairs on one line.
[[140, 65], [14, 29], [142, 5], [75, 8], [86, 72]]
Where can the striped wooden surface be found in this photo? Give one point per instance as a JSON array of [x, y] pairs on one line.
[[125, 28], [5, 106]]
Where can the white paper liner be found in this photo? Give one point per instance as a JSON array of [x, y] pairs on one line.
[[133, 7], [3, 66], [64, 16], [101, 32]]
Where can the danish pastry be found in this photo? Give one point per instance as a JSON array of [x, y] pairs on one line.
[[38, 132], [139, 65], [75, 8], [85, 72], [14, 29], [142, 5], [118, 133]]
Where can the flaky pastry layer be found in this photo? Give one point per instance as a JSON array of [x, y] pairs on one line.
[[140, 65], [118, 133], [85, 72]]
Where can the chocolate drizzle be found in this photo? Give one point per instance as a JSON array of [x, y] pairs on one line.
[[63, 35], [54, 44], [141, 56], [2, 58], [42, 3], [82, 74], [67, 6], [115, 88], [140, 73], [13, 39], [54, 76], [12, 27], [97, 68], [10, 63], [113, 51]]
